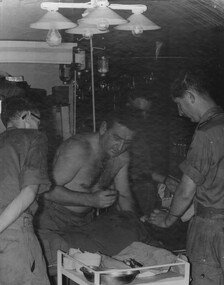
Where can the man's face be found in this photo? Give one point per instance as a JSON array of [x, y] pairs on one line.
[[117, 139], [187, 107]]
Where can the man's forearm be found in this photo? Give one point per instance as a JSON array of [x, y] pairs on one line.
[[66, 197], [17, 206], [181, 201], [126, 203]]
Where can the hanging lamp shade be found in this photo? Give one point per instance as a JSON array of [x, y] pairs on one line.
[[87, 11], [103, 14], [138, 20], [86, 30], [54, 20]]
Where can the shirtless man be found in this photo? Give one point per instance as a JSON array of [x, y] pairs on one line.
[[91, 171]]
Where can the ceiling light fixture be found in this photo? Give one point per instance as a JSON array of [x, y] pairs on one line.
[[103, 16], [53, 21], [98, 12], [86, 30], [137, 23]]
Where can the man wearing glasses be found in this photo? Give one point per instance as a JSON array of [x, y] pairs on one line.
[[23, 168], [33, 118]]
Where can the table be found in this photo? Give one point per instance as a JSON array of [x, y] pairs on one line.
[[170, 277]]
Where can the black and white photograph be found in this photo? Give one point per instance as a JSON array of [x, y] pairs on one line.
[[112, 142]]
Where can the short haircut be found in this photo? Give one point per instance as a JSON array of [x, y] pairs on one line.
[[123, 116], [13, 107], [191, 80]]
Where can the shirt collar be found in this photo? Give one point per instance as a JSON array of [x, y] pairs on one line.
[[10, 128], [210, 114]]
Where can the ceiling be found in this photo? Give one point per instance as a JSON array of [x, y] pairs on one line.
[[190, 30]]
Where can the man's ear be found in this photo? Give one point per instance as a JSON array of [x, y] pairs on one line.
[[191, 96], [103, 128]]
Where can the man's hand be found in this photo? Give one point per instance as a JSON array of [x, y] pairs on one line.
[[159, 218], [104, 198], [171, 184]]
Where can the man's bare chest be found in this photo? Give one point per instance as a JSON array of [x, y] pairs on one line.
[[98, 172]]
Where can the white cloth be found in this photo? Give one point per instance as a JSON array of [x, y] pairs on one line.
[[146, 254]]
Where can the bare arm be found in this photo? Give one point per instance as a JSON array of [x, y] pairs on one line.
[[121, 182], [62, 195], [18, 206], [181, 201], [66, 197]]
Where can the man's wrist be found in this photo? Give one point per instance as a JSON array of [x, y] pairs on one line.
[[171, 219], [174, 215]]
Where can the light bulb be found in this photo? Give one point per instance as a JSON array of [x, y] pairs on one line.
[[137, 30], [53, 38], [87, 34], [102, 25]]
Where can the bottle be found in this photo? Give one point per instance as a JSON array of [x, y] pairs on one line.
[[79, 58]]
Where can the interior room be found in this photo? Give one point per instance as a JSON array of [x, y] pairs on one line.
[[78, 71]]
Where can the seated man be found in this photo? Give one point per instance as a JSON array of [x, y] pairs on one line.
[[90, 171]]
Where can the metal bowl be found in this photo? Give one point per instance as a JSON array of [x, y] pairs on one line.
[[111, 278]]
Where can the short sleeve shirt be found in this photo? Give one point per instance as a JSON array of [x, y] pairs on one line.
[[204, 163], [23, 162]]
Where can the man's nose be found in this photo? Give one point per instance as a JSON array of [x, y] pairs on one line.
[[121, 146], [181, 113]]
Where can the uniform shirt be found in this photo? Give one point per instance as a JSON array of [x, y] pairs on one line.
[[204, 163], [23, 162]]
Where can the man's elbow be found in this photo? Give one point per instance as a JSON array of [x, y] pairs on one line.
[[51, 194], [30, 192]]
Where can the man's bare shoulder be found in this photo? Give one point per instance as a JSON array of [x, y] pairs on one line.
[[78, 144]]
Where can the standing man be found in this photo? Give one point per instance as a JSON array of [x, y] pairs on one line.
[[202, 181], [23, 167], [91, 171], [141, 162]]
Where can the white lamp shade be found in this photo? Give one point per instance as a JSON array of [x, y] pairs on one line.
[[87, 11], [53, 20], [85, 29], [138, 20], [100, 13]]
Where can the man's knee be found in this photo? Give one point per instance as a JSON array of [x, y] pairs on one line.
[[51, 243]]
